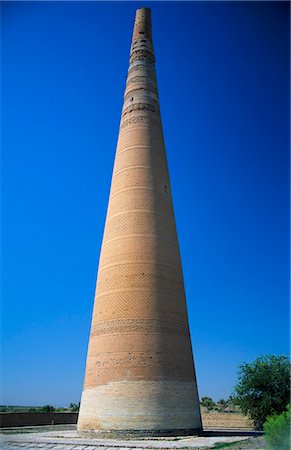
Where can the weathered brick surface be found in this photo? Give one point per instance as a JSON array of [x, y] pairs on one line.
[[140, 372]]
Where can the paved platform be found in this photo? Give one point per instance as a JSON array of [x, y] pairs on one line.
[[64, 439]]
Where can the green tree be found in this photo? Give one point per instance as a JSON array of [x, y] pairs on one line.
[[277, 431], [222, 404], [48, 408], [263, 387], [207, 402], [75, 406]]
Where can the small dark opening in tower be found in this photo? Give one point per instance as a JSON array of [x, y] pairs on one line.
[[141, 32]]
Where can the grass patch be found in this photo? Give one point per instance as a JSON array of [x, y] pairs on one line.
[[225, 445]]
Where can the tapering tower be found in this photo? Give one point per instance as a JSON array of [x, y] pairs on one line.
[[140, 373]]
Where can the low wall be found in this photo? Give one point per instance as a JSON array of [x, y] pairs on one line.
[[37, 418]]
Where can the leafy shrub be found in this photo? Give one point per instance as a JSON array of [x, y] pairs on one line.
[[47, 408], [74, 406], [277, 429], [207, 402], [222, 404]]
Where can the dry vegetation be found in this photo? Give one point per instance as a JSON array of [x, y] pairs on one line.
[[215, 419]]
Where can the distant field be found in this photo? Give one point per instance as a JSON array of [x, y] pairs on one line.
[[225, 420]]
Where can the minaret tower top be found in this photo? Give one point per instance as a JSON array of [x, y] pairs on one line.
[[142, 24]]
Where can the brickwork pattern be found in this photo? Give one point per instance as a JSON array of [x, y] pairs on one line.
[[140, 372]]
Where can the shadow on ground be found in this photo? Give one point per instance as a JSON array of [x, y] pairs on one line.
[[216, 433]]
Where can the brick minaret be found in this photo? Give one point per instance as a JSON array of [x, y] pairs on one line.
[[140, 373]]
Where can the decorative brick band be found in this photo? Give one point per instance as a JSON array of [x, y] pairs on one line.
[[121, 326], [140, 119]]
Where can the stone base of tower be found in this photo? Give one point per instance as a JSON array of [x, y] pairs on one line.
[[141, 406]]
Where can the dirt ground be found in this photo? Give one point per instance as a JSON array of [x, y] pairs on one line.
[[225, 420]]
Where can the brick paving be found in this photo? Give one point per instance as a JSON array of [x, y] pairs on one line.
[[18, 439]]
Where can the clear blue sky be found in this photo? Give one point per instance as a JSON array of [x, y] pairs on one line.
[[223, 75]]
